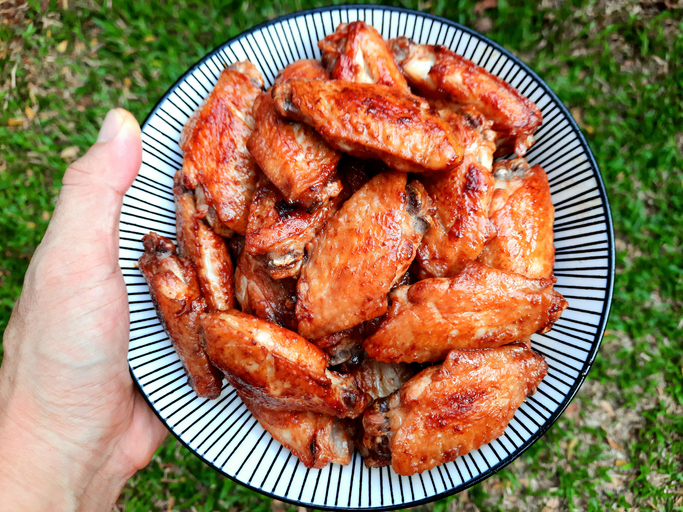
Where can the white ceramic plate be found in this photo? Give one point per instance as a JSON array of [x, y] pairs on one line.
[[222, 432]]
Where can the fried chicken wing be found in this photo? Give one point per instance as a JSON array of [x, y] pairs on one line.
[[278, 368], [360, 253], [261, 295], [315, 439], [461, 198], [174, 288], [204, 248], [294, 157], [356, 52], [304, 68], [479, 308], [372, 121], [214, 144], [438, 72], [523, 213], [450, 409]]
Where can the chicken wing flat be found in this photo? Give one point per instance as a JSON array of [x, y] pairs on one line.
[[294, 157], [479, 308], [174, 288], [204, 248], [278, 368], [451, 409], [356, 52], [438, 72], [214, 144], [523, 214], [261, 295], [280, 231], [315, 439], [461, 198], [360, 253], [372, 121]]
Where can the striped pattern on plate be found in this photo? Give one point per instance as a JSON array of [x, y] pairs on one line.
[[222, 432]]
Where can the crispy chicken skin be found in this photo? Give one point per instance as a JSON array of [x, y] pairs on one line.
[[479, 308], [523, 214], [174, 288], [315, 439], [360, 253], [214, 144], [281, 231], [261, 295], [461, 198], [356, 52], [304, 68], [278, 368], [372, 121], [451, 409], [439, 72], [294, 157], [204, 248]]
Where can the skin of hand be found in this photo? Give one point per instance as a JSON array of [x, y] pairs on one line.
[[73, 428]]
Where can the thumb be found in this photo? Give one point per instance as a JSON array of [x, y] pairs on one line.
[[89, 205]]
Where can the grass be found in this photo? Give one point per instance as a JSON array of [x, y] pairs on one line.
[[616, 65]]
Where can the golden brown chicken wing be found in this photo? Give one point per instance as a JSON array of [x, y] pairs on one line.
[[451, 409], [261, 295], [294, 157], [280, 231], [303, 68], [277, 367], [174, 288], [438, 72], [204, 248], [523, 213], [214, 144], [315, 439], [461, 198], [356, 52], [372, 121], [479, 308], [362, 250]]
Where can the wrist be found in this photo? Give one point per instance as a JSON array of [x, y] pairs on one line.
[[42, 469]]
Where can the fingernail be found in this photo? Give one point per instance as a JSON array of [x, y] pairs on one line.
[[111, 126]]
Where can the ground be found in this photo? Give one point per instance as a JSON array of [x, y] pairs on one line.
[[617, 64]]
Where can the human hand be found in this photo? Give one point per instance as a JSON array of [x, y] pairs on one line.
[[73, 428]]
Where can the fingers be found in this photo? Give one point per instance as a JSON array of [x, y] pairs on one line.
[[89, 204]]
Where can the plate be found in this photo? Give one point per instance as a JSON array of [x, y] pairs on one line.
[[222, 432]]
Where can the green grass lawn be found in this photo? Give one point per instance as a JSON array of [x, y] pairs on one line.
[[618, 65]]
